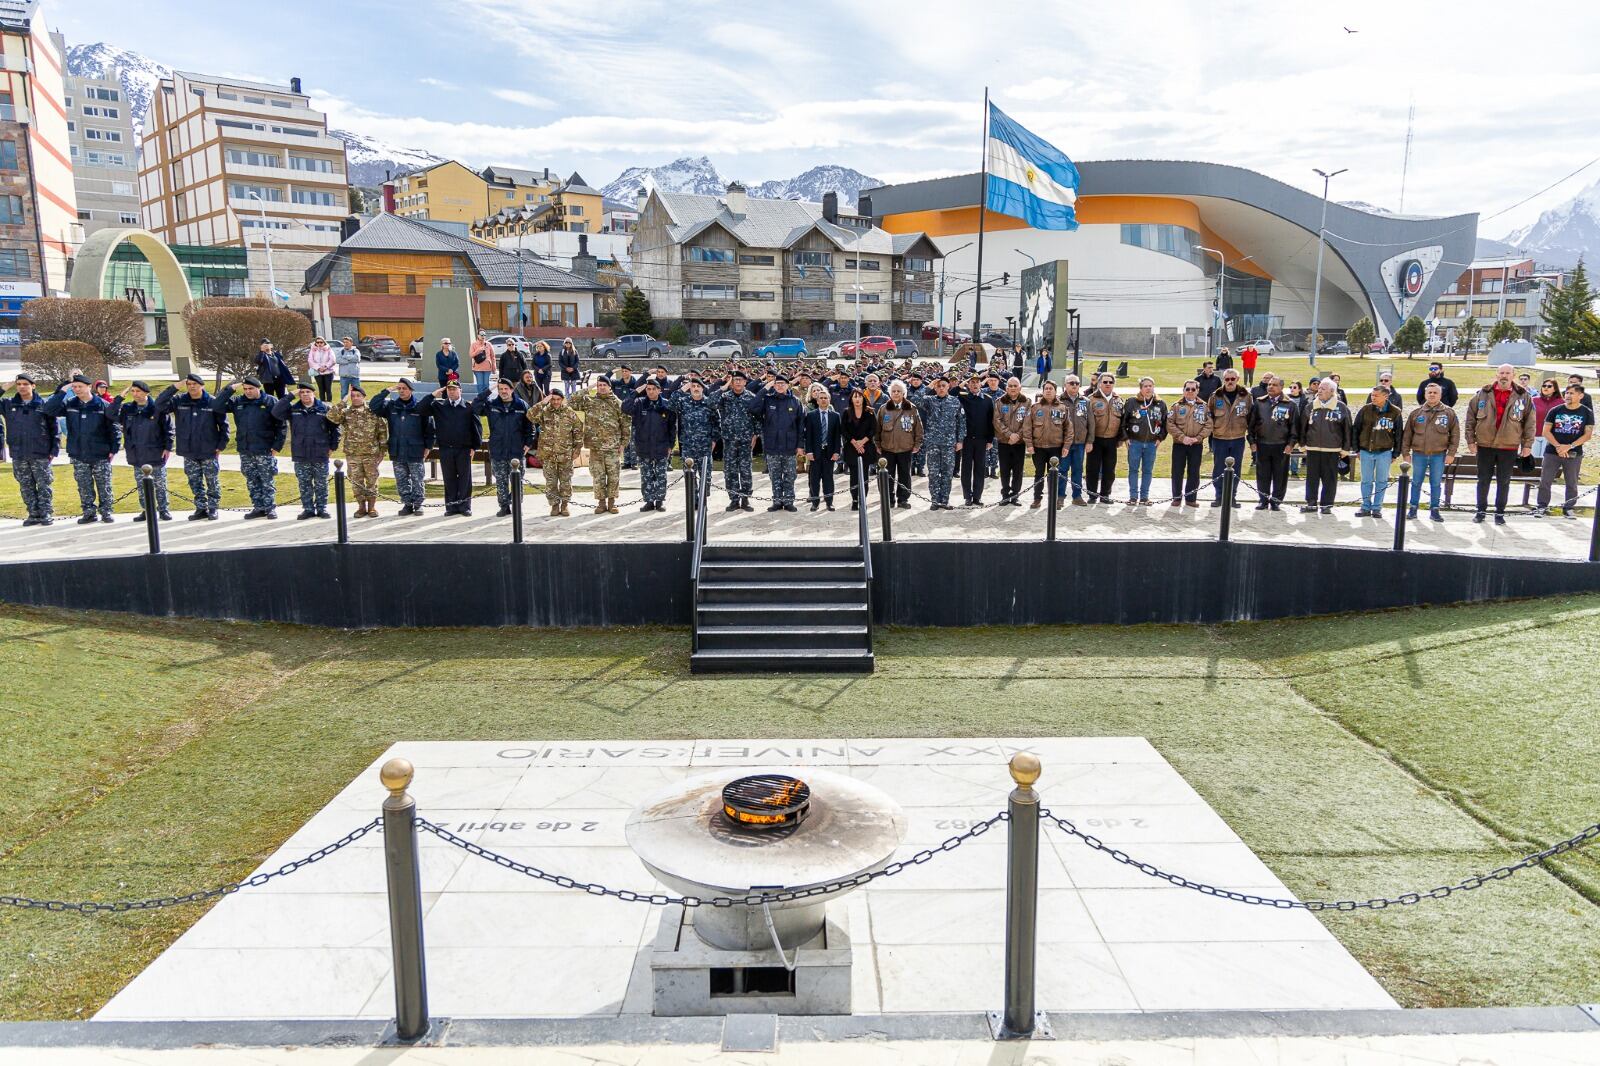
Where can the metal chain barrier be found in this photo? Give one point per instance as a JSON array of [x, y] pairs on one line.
[[198, 896], [1572, 843], [752, 899]]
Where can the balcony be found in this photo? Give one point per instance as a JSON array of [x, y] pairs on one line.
[[281, 140], [285, 174], [302, 115]]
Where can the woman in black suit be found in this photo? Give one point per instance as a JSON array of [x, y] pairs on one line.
[[824, 443], [856, 425]]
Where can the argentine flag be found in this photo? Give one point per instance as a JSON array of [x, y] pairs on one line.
[[1029, 178]]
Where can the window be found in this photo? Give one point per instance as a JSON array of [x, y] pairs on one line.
[[808, 259], [281, 103], [915, 263], [260, 101], [84, 216], [558, 314], [225, 286], [918, 296], [312, 196], [296, 131], [1485, 308], [311, 164], [372, 283], [122, 188], [1489, 285], [127, 218], [69, 103], [245, 157], [106, 159], [705, 329], [577, 209], [235, 124], [756, 260], [511, 194], [103, 94], [256, 223], [700, 254], [10, 209], [751, 294], [1177, 241], [318, 227], [239, 190], [72, 127], [92, 134], [14, 262], [708, 292], [8, 155], [99, 112], [864, 298], [1516, 308], [226, 96], [73, 148], [814, 295], [866, 264]]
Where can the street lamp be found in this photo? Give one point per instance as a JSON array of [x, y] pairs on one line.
[[1222, 291], [943, 260], [1031, 260], [1322, 230], [266, 239]]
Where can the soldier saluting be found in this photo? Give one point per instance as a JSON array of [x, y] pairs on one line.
[[365, 435], [260, 436], [560, 438], [606, 432], [33, 440]]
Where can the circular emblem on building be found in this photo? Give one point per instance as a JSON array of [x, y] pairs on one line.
[[1411, 278]]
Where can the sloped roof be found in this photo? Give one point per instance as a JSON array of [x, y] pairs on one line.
[[516, 175], [578, 185], [770, 223], [497, 268]]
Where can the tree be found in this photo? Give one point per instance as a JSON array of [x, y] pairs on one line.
[[1360, 335], [114, 328], [226, 339], [1411, 337], [1504, 330], [53, 362], [357, 200], [1467, 334], [677, 334], [1566, 315], [635, 313]]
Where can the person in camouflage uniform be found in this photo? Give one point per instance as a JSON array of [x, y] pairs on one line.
[[259, 438], [736, 418], [560, 438], [33, 441], [366, 438], [606, 431], [697, 425], [944, 425]]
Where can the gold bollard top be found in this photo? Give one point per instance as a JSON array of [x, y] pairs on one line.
[[1025, 769], [396, 776]]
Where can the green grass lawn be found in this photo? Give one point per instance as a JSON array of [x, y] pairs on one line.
[[1357, 756]]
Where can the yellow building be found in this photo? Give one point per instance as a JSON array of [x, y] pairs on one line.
[[513, 187], [521, 204], [445, 192]]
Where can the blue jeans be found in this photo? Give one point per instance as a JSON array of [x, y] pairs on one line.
[[1433, 465], [481, 379], [1141, 467], [345, 385], [1071, 463], [1375, 478], [1220, 451]]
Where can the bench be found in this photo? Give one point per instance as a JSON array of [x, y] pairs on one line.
[[479, 455], [1466, 466]]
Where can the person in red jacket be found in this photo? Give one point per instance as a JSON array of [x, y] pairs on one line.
[[1247, 361]]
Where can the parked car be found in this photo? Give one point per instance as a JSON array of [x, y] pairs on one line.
[[1335, 348], [879, 346], [1262, 346], [905, 348], [835, 350], [381, 349], [630, 344], [783, 347], [721, 348], [1377, 347], [999, 340], [951, 337]]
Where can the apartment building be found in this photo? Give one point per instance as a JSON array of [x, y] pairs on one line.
[[754, 269], [230, 163], [570, 206], [444, 192], [39, 231], [1494, 288], [105, 172]]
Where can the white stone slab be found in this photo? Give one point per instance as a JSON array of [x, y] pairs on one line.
[[315, 944]]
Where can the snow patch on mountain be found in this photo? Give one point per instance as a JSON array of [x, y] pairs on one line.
[[811, 185], [138, 75], [690, 175], [1564, 233]]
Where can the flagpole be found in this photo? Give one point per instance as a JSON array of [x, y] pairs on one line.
[[983, 204]]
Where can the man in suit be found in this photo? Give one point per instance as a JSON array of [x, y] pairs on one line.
[[824, 443]]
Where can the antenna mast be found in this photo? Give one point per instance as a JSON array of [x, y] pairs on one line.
[[1405, 166]]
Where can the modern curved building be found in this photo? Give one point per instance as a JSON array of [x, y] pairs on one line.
[[1152, 239]]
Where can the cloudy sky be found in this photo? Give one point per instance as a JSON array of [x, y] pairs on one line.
[[893, 88]]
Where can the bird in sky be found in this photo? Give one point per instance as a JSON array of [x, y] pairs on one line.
[[1347, 29]]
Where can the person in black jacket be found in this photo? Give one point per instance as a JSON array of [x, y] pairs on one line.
[[781, 417], [200, 433], [978, 446], [655, 429], [1272, 428], [824, 444], [459, 434], [147, 440], [1447, 388], [571, 369], [33, 442], [93, 437], [410, 437], [312, 440], [858, 428], [259, 437], [512, 361], [271, 370], [510, 437]]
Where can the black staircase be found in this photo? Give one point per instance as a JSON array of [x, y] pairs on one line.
[[782, 608]]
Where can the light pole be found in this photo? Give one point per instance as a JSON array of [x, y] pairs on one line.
[[1222, 281], [1322, 231], [857, 352], [1031, 260], [944, 259], [266, 239]]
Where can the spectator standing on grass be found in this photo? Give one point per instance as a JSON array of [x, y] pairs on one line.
[[1546, 399], [1189, 428], [1043, 364], [1247, 362], [1224, 360], [31, 435], [1206, 381], [1229, 410], [1447, 388], [1567, 429], [1105, 433], [571, 367], [312, 440], [1500, 419], [348, 360], [147, 441], [1577, 379], [365, 436], [512, 360], [1144, 426], [1433, 432], [1273, 430], [540, 362], [271, 370], [1386, 379], [527, 388], [1380, 426], [1325, 434], [322, 366]]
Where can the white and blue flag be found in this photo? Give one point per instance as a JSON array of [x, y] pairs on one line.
[[1029, 178]]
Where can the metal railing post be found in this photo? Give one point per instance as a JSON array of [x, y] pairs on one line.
[[1052, 484], [1227, 499], [338, 501], [884, 506], [1594, 534], [403, 870], [691, 497], [152, 520], [1022, 898], [1404, 485], [516, 500]]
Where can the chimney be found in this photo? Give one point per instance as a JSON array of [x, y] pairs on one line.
[[294, 85], [388, 197], [348, 227], [830, 207], [640, 198], [864, 207], [583, 264], [738, 200]]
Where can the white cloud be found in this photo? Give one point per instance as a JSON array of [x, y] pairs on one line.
[[526, 99], [440, 84], [1044, 88]]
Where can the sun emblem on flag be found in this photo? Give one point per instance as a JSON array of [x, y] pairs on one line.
[[1031, 175]]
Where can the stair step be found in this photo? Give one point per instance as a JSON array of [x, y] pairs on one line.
[[760, 639], [781, 593], [781, 660], [778, 630], [779, 561], [796, 549], [777, 614], [756, 608]]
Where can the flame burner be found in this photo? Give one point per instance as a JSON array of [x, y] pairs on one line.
[[766, 801]]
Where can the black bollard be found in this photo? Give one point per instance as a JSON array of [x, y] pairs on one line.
[[338, 501], [403, 872], [1022, 899], [691, 498], [1052, 484], [883, 500], [516, 501], [1227, 499], [152, 520], [1404, 485], [1594, 534]]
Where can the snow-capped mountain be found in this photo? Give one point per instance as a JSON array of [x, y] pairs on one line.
[[136, 74], [701, 177], [371, 160], [813, 183], [1564, 233]]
